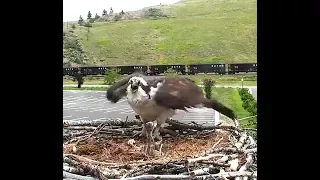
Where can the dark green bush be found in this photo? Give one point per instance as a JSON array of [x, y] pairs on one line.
[[250, 105], [112, 75], [208, 84]]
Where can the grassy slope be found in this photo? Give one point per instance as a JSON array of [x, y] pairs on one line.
[[230, 98], [203, 31]]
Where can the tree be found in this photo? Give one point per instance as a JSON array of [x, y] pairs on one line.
[[89, 15], [88, 25], [122, 12], [96, 16], [73, 26], [104, 12], [111, 11], [80, 21], [117, 17]]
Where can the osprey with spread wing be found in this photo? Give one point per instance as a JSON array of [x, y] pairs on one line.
[[159, 98]]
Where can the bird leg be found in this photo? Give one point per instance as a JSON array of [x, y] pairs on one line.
[[157, 136], [142, 132], [156, 132], [148, 129]]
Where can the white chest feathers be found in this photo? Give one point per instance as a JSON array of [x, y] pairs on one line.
[[139, 100]]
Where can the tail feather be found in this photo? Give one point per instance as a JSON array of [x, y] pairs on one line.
[[214, 104]]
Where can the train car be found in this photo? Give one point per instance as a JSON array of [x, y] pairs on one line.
[[242, 67], [161, 69], [140, 69], [131, 69], [191, 70], [208, 68], [156, 69], [179, 68], [93, 70], [69, 71]]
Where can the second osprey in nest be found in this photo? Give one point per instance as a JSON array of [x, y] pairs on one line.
[[158, 99]]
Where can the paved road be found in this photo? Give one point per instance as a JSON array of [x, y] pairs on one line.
[[254, 92], [93, 105]]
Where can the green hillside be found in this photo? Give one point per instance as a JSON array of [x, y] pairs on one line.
[[196, 31]]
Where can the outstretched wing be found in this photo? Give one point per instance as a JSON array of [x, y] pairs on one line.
[[182, 93], [119, 89], [179, 93]]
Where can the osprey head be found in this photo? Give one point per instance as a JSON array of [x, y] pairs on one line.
[[135, 82]]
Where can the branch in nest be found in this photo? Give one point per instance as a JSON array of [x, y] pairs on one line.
[[215, 163], [87, 128], [189, 161], [113, 136], [241, 141], [227, 158], [176, 125], [107, 122], [168, 131], [246, 165], [75, 176], [69, 161], [204, 171], [229, 128], [230, 150], [187, 177], [84, 159], [252, 141], [84, 169], [73, 170]]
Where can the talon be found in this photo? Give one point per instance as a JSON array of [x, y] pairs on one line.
[[140, 134]]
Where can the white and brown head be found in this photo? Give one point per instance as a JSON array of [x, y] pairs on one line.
[[136, 82]]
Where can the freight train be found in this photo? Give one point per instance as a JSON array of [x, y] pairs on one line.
[[191, 69]]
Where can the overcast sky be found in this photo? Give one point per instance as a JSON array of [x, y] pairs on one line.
[[72, 9]]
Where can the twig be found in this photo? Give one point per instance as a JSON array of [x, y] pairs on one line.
[[73, 170], [80, 158], [209, 170], [97, 130], [214, 163], [246, 165], [203, 158], [187, 177], [242, 139], [215, 144], [108, 122], [227, 158], [78, 177]]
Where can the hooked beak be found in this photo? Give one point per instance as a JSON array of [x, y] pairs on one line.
[[134, 86]]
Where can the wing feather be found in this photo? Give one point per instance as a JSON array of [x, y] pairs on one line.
[[119, 89], [179, 93], [182, 93]]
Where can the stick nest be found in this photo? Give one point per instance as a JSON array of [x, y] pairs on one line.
[[107, 149]]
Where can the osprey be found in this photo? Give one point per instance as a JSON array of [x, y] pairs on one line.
[[159, 98]]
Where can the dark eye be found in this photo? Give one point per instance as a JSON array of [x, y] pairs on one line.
[[138, 82]]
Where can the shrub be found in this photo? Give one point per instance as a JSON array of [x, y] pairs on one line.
[[112, 75], [250, 105], [208, 84], [171, 72]]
